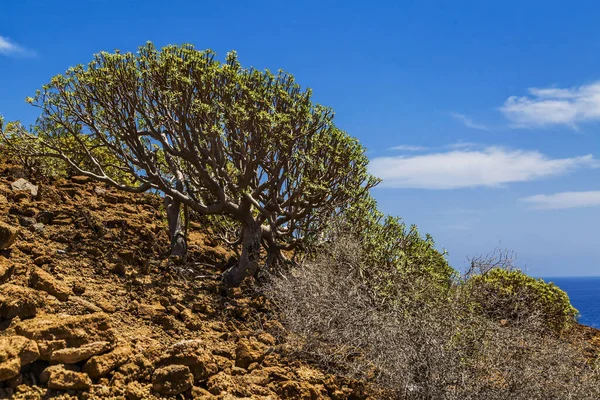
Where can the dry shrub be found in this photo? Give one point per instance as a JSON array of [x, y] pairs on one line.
[[416, 350]]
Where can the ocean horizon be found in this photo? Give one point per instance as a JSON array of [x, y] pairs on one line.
[[584, 293]]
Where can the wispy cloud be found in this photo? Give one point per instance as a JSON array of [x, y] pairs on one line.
[[10, 48], [462, 145], [491, 166], [554, 106], [468, 122], [564, 200], [405, 147]]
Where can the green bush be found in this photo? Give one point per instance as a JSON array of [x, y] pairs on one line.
[[512, 295], [398, 263]]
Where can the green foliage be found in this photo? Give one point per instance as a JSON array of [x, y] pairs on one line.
[[223, 140], [395, 259], [29, 149], [512, 295]]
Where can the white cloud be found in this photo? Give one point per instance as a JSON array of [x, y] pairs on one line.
[[405, 147], [554, 106], [462, 145], [468, 122], [564, 200], [491, 166], [9, 48]]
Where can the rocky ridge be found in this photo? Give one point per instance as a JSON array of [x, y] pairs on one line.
[[90, 307]]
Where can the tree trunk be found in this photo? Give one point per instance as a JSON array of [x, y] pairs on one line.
[[176, 233], [250, 257]]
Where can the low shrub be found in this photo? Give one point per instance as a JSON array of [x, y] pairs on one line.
[[444, 349], [513, 296]]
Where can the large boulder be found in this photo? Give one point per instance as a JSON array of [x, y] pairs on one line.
[[191, 353], [15, 352], [172, 380], [8, 235], [18, 301]]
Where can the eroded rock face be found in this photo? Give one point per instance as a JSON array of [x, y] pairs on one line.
[[15, 352], [8, 235], [56, 332], [172, 380], [42, 280], [193, 354], [18, 301]]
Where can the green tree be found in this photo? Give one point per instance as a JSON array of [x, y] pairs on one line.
[[216, 137]]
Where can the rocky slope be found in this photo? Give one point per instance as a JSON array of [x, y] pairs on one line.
[[90, 308]]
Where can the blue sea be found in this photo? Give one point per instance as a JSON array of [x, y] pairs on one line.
[[584, 293]]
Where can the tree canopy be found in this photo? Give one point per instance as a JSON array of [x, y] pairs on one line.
[[214, 136]]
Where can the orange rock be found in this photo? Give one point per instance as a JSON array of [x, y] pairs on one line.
[[172, 380], [101, 365], [8, 235]]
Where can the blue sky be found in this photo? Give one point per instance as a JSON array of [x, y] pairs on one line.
[[482, 117]]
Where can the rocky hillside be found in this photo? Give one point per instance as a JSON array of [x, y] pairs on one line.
[[90, 308]]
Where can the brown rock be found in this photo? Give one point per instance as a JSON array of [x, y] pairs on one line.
[[78, 289], [70, 330], [172, 380], [18, 301], [137, 391], [101, 365], [8, 235], [137, 367], [193, 354], [106, 306], [15, 352], [149, 310], [42, 280], [220, 383], [80, 180], [43, 259], [74, 355], [9, 369], [47, 347], [87, 305], [168, 322], [45, 374], [191, 320], [199, 393], [248, 352], [6, 269], [65, 379]]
